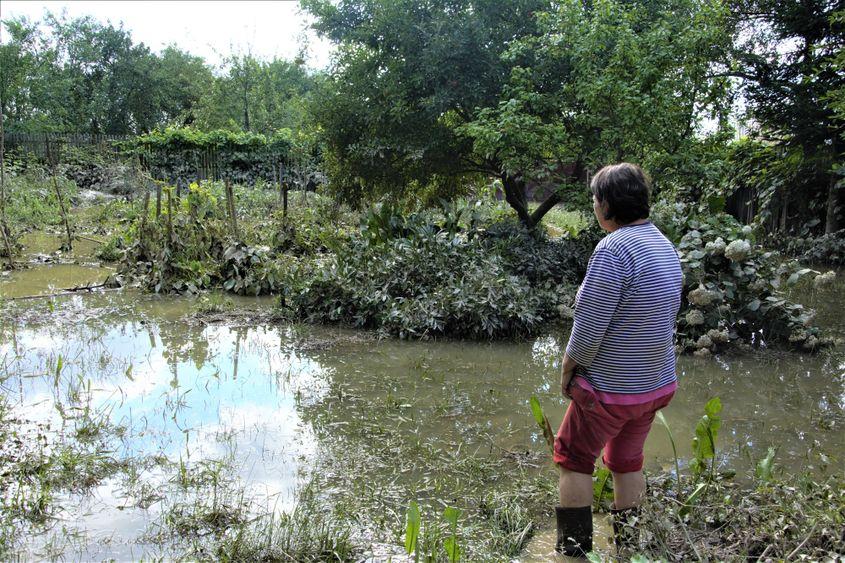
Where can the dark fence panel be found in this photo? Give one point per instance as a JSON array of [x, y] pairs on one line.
[[47, 145]]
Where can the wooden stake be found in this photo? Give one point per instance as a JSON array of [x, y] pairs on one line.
[[169, 215], [144, 215], [230, 199], [54, 159], [3, 226]]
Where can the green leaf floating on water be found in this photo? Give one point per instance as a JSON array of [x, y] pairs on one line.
[[543, 422], [412, 527]]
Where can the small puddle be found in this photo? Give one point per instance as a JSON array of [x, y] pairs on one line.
[[47, 279]]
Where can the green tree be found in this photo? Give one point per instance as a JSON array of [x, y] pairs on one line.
[[522, 91], [254, 95], [791, 63], [183, 81]]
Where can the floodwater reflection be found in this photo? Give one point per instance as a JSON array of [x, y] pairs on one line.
[[278, 404]]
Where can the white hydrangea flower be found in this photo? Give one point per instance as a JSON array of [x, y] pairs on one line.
[[824, 280], [700, 296], [799, 335], [695, 317], [811, 343], [811, 317], [715, 247], [746, 230], [718, 336], [738, 250], [703, 341]]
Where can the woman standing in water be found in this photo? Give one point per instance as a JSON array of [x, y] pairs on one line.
[[619, 365]]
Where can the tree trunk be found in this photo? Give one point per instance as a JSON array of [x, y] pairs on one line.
[[515, 196], [831, 223]]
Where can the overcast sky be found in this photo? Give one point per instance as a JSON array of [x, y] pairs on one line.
[[205, 28]]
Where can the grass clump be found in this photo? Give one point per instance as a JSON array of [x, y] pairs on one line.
[[511, 520], [785, 520], [208, 515]]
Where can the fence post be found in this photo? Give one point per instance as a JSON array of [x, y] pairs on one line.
[[230, 198], [169, 215]]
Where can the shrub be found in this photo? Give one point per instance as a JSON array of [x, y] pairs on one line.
[[193, 250], [176, 153], [732, 287], [421, 287], [542, 260], [827, 249]]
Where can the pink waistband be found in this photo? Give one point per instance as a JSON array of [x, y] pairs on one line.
[[627, 398]]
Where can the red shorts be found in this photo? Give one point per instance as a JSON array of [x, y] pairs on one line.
[[590, 425]]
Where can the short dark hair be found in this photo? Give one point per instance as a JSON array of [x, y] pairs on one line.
[[625, 188]]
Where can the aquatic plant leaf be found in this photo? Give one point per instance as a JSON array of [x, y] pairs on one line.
[[451, 515], [692, 499], [453, 550], [766, 465], [602, 486], [543, 422], [412, 527], [706, 432]]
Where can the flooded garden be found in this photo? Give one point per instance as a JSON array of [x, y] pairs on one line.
[[144, 426], [253, 309]]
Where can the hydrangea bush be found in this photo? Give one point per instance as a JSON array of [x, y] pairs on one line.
[[733, 288]]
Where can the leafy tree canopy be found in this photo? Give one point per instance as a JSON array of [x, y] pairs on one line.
[[521, 90]]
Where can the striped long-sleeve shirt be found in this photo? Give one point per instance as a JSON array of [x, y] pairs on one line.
[[624, 331]]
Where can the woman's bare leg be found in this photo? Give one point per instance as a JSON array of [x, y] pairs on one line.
[[628, 489], [576, 489]]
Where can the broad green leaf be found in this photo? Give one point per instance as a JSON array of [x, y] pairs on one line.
[[713, 407], [692, 499], [766, 465], [412, 527], [451, 515], [537, 410], [543, 422]]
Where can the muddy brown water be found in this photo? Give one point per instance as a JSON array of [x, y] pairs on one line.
[[264, 396]]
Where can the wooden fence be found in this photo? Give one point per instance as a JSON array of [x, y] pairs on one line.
[[46, 145], [190, 165]]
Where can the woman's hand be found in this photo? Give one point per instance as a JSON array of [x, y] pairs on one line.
[[567, 372], [565, 380]]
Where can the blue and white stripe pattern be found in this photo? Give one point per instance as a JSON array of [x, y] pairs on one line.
[[623, 338]]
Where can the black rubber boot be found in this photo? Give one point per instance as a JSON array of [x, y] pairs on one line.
[[626, 532], [574, 530]]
